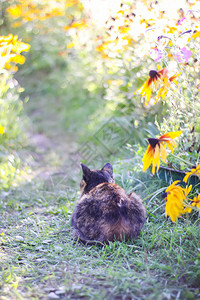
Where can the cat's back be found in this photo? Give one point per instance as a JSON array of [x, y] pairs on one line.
[[108, 192], [98, 212], [103, 201], [105, 212]]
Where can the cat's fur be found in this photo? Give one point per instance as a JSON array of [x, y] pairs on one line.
[[105, 212]]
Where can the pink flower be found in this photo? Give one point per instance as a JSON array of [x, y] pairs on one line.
[[156, 54], [181, 21], [183, 55]]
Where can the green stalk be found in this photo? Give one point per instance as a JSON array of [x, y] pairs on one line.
[[154, 194], [183, 160]]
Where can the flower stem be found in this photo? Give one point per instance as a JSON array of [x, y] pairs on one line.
[[154, 194], [183, 160]]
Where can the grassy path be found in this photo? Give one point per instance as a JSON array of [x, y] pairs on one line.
[[39, 259], [47, 135]]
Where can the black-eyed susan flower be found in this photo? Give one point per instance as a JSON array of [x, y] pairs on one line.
[[150, 85], [194, 171], [162, 92], [195, 202], [155, 78], [175, 197], [156, 150]]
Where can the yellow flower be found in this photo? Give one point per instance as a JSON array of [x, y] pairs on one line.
[[79, 24], [171, 29], [166, 85], [30, 10], [195, 202], [152, 82], [18, 59], [124, 29], [16, 24], [18, 47], [195, 35], [10, 49], [168, 139], [70, 3], [156, 150], [70, 45], [15, 11], [176, 197], [2, 129], [194, 171]]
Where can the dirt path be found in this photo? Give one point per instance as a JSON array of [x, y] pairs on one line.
[[50, 143]]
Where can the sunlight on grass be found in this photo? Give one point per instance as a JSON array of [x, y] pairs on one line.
[[86, 60]]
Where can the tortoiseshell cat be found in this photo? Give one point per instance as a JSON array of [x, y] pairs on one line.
[[105, 212]]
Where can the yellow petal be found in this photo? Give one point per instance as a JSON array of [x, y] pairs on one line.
[[147, 96], [148, 153], [195, 35], [188, 190], [160, 93], [156, 159], [18, 59], [173, 184], [170, 144], [188, 210], [147, 159], [171, 135], [185, 179], [176, 82], [142, 88], [163, 153], [2, 129], [18, 47]]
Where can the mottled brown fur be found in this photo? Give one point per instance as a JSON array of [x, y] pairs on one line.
[[104, 211]]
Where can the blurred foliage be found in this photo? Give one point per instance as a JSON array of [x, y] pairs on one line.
[[85, 65], [12, 120], [93, 71], [92, 89]]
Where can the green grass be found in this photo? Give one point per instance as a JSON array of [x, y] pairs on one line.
[[39, 258]]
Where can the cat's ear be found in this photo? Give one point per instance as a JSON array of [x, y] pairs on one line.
[[86, 172], [108, 168]]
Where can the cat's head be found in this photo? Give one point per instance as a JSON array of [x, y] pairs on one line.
[[92, 178]]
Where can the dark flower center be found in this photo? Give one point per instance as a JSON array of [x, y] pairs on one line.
[[164, 195], [153, 142], [154, 74]]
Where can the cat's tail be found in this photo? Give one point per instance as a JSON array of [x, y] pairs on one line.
[[80, 237]]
